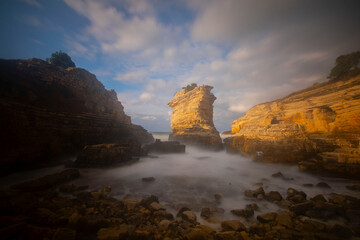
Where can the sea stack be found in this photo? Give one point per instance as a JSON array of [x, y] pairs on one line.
[[192, 119], [317, 127]]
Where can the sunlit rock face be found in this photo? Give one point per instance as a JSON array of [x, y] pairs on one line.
[[48, 111], [192, 119], [318, 127]]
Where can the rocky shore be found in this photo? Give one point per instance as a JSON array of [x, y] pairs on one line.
[[51, 208], [317, 127], [49, 112], [192, 119]]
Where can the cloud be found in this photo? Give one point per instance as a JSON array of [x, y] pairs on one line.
[[31, 20], [146, 96], [117, 32], [32, 3], [136, 76]]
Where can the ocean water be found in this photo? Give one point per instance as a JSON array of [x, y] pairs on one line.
[[193, 178]]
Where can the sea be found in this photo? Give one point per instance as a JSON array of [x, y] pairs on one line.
[[193, 178]]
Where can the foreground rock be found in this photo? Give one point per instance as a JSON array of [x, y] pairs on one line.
[[192, 119], [43, 213], [49, 111], [103, 155], [309, 127], [165, 147]]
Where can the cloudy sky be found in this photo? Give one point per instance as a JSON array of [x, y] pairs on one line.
[[251, 51]]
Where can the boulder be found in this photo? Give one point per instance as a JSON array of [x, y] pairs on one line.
[[267, 217], [232, 225], [273, 196], [165, 147], [101, 155]]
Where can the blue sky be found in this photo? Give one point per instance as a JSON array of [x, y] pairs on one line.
[[251, 51]]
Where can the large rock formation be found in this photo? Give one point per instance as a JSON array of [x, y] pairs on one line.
[[192, 119], [318, 127], [48, 111]]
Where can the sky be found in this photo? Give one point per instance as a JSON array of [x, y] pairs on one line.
[[250, 51]]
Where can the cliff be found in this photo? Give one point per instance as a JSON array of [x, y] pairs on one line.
[[48, 111], [318, 127], [192, 119]]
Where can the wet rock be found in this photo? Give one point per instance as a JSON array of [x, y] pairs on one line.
[[267, 217], [164, 224], [308, 185], [91, 223], [206, 229], [195, 234], [205, 212], [295, 196], [338, 199], [301, 208], [284, 218], [148, 200], [148, 179], [252, 206], [218, 197], [273, 196], [280, 175], [64, 233], [131, 203], [188, 216], [165, 147], [103, 155], [181, 210], [318, 197], [254, 193], [246, 213], [162, 215], [323, 185], [233, 225], [48, 181], [355, 187], [228, 235], [341, 231], [154, 206]]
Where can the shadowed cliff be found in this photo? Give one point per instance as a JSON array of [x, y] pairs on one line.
[[48, 111]]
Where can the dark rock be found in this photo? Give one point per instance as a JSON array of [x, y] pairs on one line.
[[341, 231], [188, 216], [218, 197], [267, 217], [205, 212], [148, 200], [284, 218], [64, 233], [280, 175], [181, 210], [233, 225], [318, 197], [228, 235], [103, 155], [246, 213], [148, 179], [254, 193], [301, 208], [323, 185], [273, 196], [252, 206], [48, 181], [49, 111], [308, 185], [295, 196], [165, 147], [355, 187]]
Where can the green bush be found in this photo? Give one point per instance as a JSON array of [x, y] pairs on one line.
[[345, 66], [61, 59], [190, 87]]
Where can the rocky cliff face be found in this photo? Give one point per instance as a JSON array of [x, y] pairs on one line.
[[318, 127], [192, 119], [47, 111]]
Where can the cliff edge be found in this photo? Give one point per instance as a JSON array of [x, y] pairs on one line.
[[192, 119], [318, 127], [48, 111]]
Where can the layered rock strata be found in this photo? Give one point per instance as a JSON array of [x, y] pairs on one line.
[[318, 127], [192, 119], [48, 111]]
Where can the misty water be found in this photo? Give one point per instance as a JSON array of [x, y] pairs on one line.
[[191, 179]]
